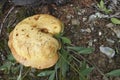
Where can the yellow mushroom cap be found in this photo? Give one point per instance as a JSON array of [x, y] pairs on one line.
[[32, 42]]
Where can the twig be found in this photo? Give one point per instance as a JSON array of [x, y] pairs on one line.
[[21, 69], [115, 15], [26, 73], [2, 24]]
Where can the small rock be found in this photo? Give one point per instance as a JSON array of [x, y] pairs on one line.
[[69, 16], [90, 42], [99, 33], [97, 15], [86, 30], [95, 40], [92, 18], [83, 11], [75, 22], [107, 51], [100, 15], [84, 19], [110, 40], [71, 5], [79, 13]]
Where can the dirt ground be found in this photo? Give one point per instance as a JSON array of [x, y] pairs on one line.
[[78, 27]]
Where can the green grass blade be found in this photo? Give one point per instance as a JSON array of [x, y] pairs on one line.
[[114, 73], [10, 57], [6, 66], [20, 74], [52, 76], [87, 71], [115, 20], [65, 40], [102, 4], [82, 50]]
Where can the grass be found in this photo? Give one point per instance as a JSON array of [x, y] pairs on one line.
[[104, 9]]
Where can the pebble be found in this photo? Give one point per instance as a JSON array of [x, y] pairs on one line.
[[84, 19], [95, 40], [91, 18], [71, 5], [86, 30], [110, 40], [97, 15], [99, 33], [83, 11], [90, 42], [69, 16], [79, 13], [107, 51], [75, 22]]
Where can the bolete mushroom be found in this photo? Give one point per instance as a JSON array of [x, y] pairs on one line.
[[32, 43]]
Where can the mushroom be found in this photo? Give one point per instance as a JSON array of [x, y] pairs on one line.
[[32, 43]]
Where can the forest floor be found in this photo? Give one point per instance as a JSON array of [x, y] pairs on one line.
[[84, 24]]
